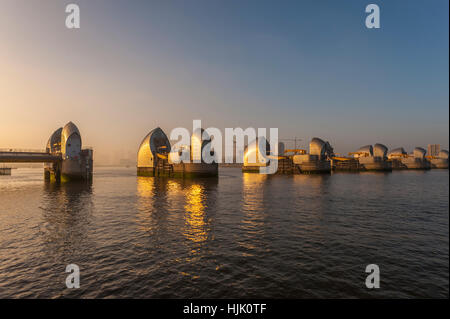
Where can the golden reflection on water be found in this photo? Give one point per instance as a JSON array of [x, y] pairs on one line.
[[156, 196], [145, 201], [253, 191], [314, 181], [196, 229], [254, 211], [177, 206], [160, 199], [145, 187]]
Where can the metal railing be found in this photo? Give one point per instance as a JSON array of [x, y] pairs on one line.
[[22, 150]]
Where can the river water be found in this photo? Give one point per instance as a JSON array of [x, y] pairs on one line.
[[236, 236]]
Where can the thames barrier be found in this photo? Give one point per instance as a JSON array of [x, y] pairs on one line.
[[64, 158], [154, 160], [157, 158]]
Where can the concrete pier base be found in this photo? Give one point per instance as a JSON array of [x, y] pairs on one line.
[[374, 163], [183, 170], [146, 171], [439, 163], [350, 165], [188, 170], [311, 164], [52, 172], [319, 167], [70, 170], [397, 164], [415, 163], [251, 169], [410, 163]]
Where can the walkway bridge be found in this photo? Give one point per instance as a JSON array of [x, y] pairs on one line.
[[28, 156], [63, 156]]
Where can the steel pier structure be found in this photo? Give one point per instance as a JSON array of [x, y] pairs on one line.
[[63, 158]]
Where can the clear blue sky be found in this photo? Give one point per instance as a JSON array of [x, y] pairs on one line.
[[310, 68]]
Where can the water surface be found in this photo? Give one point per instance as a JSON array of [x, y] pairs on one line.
[[236, 236]]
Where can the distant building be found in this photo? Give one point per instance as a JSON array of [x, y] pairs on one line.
[[434, 149]]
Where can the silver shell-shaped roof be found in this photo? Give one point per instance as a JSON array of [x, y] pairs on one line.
[[199, 140], [317, 146], [200, 135], [254, 154], [379, 150], [366, 150], [54, 142], [419, 152], [443, 154], [154, 142], [397, 151], [68, 130]]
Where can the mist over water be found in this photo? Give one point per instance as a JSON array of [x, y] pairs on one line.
[[236, 236]]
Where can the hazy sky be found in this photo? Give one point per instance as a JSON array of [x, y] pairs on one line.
[[310, 68]]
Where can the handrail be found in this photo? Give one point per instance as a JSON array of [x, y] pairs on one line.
[[22, 150]]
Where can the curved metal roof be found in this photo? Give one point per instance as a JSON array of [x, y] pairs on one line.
[[419, 152], [200, 135], [54, 142], [155, 142], [397, 151], [366, 150], [199, 140], [443, 154], [68, 130], [379, 150], [317, 146], [254, 152]]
